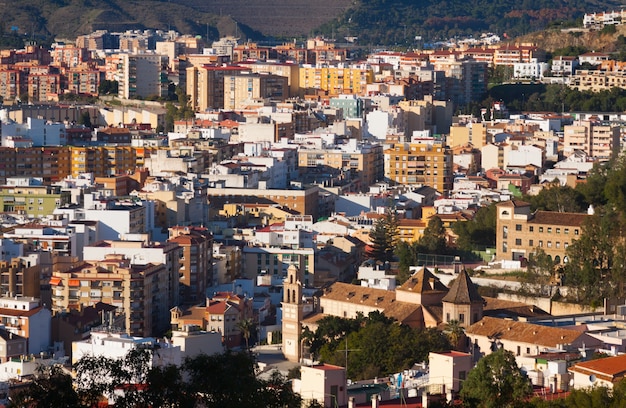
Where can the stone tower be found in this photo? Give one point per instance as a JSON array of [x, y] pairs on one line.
[[292, 314]]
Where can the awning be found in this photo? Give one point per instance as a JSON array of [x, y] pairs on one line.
[[55, 281], [74, 282]]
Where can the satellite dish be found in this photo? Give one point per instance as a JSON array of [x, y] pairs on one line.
[[592, 378]]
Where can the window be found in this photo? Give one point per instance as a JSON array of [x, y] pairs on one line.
[[540, 229], [549, 244], [558, 244], [518, 227], [518, 241], [558, 230], [540, 244], [566, 230], [462, 375], [505, 232], [519, 351], [576, 231], [549, 230], [461, 318], [504, 247], [448, 317], [530, 242], [531, 229]]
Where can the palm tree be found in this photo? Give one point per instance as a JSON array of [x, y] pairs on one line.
[[246, 326], [455, 332]]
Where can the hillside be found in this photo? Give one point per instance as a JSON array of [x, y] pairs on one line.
[[551, 40], [384, 22]]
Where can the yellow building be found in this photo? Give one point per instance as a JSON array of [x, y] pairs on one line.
[[205, 85], [417, 164], [335, 80], [244, 89], [102, 161], [519, 232]]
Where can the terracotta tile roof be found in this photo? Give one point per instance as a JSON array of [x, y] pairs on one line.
[[523, 332], [558, 218], [423, 281], [371, 297], [401, 311], [463, 291], [609, 368]]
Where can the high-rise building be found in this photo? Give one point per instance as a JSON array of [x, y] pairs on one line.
[[196, 262], [141, 291], [142, 75], [243, 89], [420, 164]]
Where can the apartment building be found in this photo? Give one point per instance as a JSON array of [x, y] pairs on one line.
[[597, 80], [11, 86], [68, 55], [365, 160], [274, 261], [19, 278], [141, 75], [519, 232], [305, 201], [599, 140], [27, 318], [289, 70], [83, 80], [196, 261], [140, 291], [418, 164], [29, 196], [43, 87], [143, 252], [242, 90], [335, 80], [205, 85], [102, 161], [510, 54]]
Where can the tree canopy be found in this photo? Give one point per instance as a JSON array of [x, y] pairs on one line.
[[218, 380], [384, 236], [377, 345], [496, 382]]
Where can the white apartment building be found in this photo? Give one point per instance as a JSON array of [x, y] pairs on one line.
[[142, 75]]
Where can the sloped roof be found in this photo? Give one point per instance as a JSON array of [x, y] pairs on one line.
[[371, 297], [559, 218], [462, 291], [423, 281], [523, 332], [609, 368]]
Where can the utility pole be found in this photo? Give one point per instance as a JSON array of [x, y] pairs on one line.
[[346, 350]]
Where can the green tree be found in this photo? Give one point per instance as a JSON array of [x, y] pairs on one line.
[[434, 240], [51, 387], [383, 236], [557, 198], [407, 255], [85, 119], [455, 333], [246, 326], [496, 382]]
